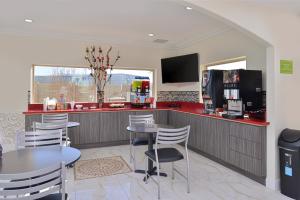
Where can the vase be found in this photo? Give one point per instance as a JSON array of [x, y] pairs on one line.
[[100, 98]]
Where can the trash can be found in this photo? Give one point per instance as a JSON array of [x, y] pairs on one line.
[[289, 156]]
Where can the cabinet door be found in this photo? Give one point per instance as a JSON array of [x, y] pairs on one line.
[[178, 119], [29, 119], [171, 118], [161, 116], [110, 127], [213, 137], [194, 132], [74, 133], [221, 138], [89, 128], [206, 141], [247, 148], [124, 122]]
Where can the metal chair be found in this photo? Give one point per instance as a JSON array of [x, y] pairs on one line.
[[164, 155], [55, 118], [61, 118], [43, 138], [37, 126], [138, 141], [43, 184]]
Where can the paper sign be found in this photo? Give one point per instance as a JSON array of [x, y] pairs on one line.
[[286, 66]]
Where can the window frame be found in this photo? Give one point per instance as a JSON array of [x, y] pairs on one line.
[[225, 61], [153, 70]]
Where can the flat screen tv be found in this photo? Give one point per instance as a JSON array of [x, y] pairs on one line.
[[180, 69]]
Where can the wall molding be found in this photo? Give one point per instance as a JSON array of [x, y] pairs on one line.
[[273, 184]]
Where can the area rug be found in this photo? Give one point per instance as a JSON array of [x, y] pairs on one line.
[[85, 169]]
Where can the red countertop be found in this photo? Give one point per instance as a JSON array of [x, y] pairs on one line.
[[191, 108]]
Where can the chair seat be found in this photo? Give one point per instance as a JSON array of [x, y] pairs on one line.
[[140, 141], [56, 196], [165, 155]]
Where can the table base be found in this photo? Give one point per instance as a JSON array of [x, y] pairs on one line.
[[151, 172]]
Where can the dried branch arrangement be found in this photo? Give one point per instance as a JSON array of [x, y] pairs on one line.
[[100, 65]]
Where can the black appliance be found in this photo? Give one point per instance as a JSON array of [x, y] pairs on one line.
[[212, 90], [289, 156], [180, 69], [245, 85]]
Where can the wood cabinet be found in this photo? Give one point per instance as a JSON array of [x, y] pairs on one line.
[[247, 148], [234, 144], [109, 123], [239, 145]]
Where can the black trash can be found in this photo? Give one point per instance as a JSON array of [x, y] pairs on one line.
[[289, 156]]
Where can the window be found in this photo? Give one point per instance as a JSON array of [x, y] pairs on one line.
[[119, 86], [231, 64], [77, 84], [74, 82]]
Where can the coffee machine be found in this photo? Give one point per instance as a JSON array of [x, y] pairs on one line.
[[245, 85]]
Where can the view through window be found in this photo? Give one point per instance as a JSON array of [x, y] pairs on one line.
[[229, 66], [118, 88], [77, 85]]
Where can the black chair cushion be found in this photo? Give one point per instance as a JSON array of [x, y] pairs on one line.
[[165, 154], [56, 196], [138, 141]]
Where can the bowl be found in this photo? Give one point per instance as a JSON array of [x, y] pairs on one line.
[[79, 107], [51, 107]]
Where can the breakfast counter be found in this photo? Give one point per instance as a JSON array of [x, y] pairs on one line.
[[196, 110], [238, 144]]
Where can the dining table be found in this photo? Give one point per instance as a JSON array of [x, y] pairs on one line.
[[150, 130], [32, 159]]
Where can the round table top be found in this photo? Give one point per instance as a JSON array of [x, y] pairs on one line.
[[31, 159], [147, 128], [72, 124]]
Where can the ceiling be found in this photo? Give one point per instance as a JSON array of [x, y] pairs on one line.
[[281, 5], [110, 21]]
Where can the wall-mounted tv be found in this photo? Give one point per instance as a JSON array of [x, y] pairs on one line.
[[180, 69]]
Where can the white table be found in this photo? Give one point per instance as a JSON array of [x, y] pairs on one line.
[[70, 124], [31, 159]]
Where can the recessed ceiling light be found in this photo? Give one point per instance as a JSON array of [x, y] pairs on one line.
[[188, 8], [151, 34], [28, 20]]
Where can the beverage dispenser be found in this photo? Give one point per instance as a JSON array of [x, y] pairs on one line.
[[245, 85], [140, 92]]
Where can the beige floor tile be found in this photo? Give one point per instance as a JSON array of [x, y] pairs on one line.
[[209, 181]]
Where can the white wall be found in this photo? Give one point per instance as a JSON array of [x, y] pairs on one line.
[[280, 29], [229, 44], [18, 54]]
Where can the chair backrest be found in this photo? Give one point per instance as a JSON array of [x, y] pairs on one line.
[[37, 126], [55, 118], [172, 136], [140, 119], [35, 184], [43, 138]]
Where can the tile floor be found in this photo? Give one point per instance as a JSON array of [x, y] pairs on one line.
[[209, 181]]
